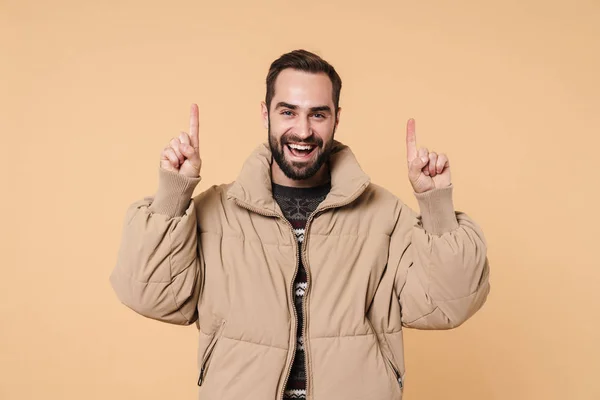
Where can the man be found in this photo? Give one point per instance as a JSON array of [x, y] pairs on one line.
[[301, 274]]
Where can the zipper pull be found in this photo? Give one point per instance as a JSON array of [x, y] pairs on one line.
[[200, 377], [400, 381]]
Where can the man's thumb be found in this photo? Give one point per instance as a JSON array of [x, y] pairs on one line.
[[419, 162], [186, 149], [191, 155], [414, 170]]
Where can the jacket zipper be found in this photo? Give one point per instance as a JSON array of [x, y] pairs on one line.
[[308, 285], [396, 369], [291, 291], [305, 263], [398, 376], [209, 353], [387, 359]]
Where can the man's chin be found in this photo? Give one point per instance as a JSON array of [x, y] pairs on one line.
[[297, 173], [296, 168], [300, 165]]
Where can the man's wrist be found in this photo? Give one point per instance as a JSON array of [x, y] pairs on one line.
[[174, 193], [437, 210]]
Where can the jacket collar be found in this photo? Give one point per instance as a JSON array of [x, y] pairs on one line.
[[253, 185]]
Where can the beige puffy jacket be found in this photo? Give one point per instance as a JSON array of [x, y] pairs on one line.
[[226, 260]]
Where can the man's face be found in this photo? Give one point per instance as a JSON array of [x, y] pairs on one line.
[[301, 122]]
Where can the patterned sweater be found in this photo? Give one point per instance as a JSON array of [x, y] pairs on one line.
[[297, 204]]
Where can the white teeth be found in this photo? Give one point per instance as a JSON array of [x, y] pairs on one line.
[[298, 147]]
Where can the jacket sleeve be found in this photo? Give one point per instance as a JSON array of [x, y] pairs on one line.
[[443, 271], [158, 267]]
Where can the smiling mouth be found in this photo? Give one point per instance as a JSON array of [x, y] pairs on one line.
[[299, 151]]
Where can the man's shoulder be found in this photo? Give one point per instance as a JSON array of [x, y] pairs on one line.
[[376, 195], [212, 195], [211, 208], [377, 209]]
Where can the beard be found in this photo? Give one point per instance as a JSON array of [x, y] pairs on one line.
[[300, 170]]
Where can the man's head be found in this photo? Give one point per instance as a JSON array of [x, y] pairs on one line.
[[301, 112]]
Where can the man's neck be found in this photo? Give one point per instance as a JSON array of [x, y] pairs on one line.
[[318, 179]]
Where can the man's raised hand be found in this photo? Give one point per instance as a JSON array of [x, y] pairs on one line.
[[426, 171], [182, 155]]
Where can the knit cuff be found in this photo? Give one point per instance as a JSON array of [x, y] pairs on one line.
[[174, 193], [437, 210]]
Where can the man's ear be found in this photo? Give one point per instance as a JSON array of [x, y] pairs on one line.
[[264, 111], [337, 117]]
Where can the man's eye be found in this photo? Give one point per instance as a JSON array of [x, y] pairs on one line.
[[286, 112], [319, 115]]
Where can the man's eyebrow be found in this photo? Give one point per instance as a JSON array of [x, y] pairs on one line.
[[320, 108], [283, 104]]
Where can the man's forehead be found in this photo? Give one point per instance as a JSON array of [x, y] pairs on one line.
[[303, 89]]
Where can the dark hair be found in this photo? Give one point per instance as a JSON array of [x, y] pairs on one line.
[[303, 60]]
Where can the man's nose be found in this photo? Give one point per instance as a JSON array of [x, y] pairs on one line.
[[303, 129]]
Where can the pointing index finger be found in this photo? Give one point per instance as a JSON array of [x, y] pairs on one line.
[[194, 126], [411, 140]]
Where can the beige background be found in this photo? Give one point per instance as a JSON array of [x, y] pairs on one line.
[[90, 94]]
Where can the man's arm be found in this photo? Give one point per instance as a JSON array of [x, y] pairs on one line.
[[443, 271], [158, 268], [159, 265]]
